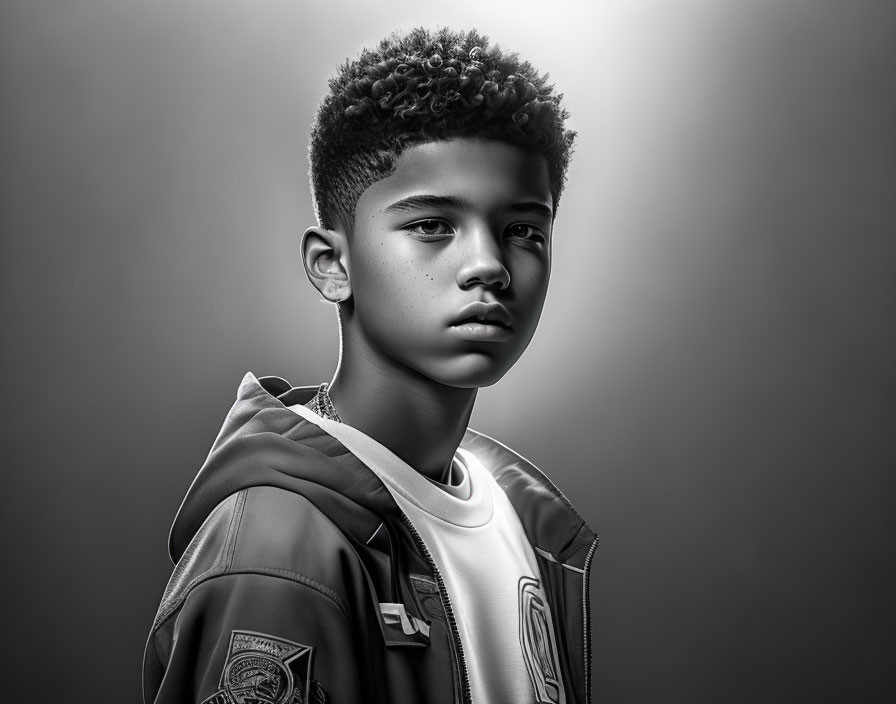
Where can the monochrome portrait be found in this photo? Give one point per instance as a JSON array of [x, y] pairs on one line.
[[404, 352]]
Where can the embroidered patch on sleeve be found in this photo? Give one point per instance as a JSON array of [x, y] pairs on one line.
[[538, 644], [263, 669]]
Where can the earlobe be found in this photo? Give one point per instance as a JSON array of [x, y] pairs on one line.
[[325, 257]]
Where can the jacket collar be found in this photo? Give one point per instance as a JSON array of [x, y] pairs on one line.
[[262, 442], [548, 518]]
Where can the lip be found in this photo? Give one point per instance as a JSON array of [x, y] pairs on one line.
[[482, 312], [481, 321], [482, 332]]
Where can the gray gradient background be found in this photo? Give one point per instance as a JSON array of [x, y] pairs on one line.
[[712, 384]]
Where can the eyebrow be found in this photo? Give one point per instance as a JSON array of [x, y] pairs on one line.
[[419, 202], [430, 201], [531, 206]]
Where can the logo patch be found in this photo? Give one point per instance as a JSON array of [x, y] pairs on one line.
[[263, 669], [538, 645]]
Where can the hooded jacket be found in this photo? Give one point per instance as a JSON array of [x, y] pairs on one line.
[[298, 579]]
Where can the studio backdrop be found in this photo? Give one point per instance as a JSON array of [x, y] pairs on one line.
[[712, 383]]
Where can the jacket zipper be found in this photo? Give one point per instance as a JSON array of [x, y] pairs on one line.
[[446, 607], [586, 608]]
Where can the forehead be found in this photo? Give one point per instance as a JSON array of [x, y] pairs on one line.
[[487, 174]]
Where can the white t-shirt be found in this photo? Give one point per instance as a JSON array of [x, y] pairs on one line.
[[488, 567]]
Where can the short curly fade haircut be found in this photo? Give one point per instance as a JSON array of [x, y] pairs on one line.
[[420, 87]]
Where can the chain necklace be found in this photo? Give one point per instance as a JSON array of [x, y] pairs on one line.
[[322, 404]]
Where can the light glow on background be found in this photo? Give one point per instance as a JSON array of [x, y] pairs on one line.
[[712, 383]]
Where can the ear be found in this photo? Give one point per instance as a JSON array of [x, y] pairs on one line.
[[325, 256]]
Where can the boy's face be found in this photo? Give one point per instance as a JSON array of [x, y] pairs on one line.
[[458, 224]]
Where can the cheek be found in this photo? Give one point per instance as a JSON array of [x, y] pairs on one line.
[[531, 276], [393, 294], [374, 272], [404, 277]]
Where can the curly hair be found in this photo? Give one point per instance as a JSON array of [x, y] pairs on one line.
[[420, 87]]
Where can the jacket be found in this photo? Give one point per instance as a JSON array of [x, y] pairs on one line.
[[298, 579]]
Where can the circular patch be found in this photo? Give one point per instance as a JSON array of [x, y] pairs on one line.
[[257, 678]]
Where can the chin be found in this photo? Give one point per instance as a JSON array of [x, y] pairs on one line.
[[473, 371]]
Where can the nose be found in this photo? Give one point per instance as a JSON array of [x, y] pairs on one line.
[[483, 261]]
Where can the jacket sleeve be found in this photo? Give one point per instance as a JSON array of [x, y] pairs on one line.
[[272, 636], [267, 604]]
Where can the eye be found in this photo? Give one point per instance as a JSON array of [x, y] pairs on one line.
[[430, 229], [526, 232]]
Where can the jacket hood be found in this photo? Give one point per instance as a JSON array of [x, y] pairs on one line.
[[263, 443]]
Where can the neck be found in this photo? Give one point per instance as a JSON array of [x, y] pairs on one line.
[[418, 419]]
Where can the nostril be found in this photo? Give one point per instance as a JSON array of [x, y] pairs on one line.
[[484, 272]]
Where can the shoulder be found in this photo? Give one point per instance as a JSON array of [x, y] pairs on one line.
[[266, 530], [547, 516], [499, 459], [280, 529]]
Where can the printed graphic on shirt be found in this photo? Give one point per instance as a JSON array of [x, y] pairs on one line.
[[538, 644], [263, 669]]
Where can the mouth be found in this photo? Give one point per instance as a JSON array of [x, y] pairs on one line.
[[482, 313], [477, 331], [481, 321], [485, 322]]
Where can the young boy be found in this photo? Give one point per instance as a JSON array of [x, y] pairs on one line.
[[356, 542]]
